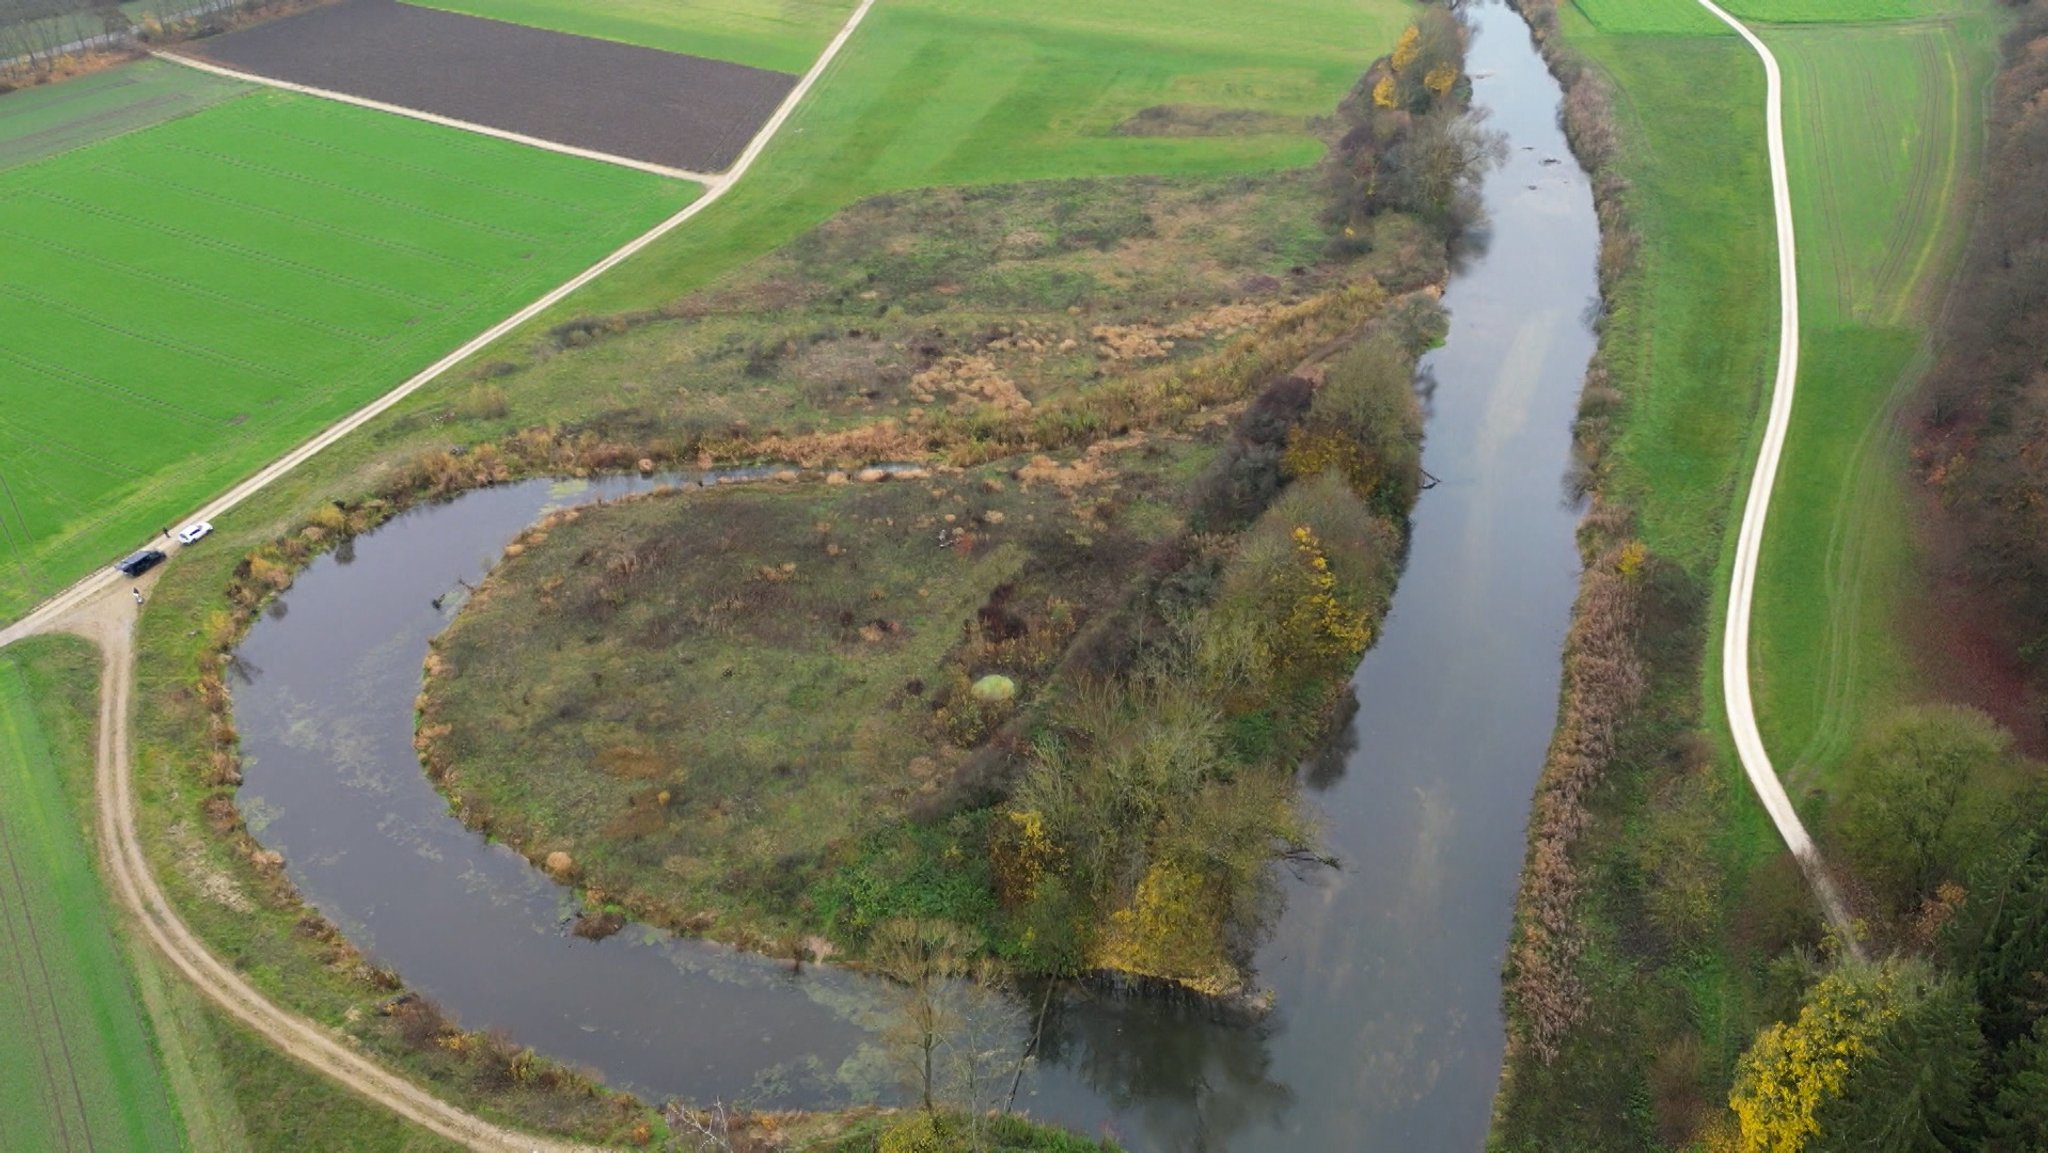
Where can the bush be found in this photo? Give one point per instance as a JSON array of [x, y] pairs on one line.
[[1923, 800], [1365, 424]]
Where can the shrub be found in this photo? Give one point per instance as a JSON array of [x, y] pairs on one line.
[[1923, 798], [1365, 424]]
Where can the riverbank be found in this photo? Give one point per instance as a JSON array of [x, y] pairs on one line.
[[220, 883], [1426, 787], [1657, 905]]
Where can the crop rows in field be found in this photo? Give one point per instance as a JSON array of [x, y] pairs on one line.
[[1883, 132], [80, 1074], [181, 304]]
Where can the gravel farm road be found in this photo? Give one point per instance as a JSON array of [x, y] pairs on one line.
[[1749, 742], [96, 608]]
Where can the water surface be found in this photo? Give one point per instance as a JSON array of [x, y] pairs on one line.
[[1387, 1034]]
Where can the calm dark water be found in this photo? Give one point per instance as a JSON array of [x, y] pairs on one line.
[[1387, 1034]]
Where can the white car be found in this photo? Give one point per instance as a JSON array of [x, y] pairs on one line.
[[193, 533]]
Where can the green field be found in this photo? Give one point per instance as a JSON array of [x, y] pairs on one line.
[[1884, 126], [946, 92], [81, 1069], [1688, 18], [781, 35], [186, 303]]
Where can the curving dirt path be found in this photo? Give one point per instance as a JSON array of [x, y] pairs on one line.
[[109, 622], [1749, 742], [97, 608]]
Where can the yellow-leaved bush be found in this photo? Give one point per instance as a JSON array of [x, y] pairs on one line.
[[1794, 1069]]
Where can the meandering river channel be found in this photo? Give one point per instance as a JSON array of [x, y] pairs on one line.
[[1387, 1032]]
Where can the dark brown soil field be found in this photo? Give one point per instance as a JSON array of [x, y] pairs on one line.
[[639, 103]]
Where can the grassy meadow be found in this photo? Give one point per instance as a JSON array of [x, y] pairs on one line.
[[720, 733], [83, 1071], [185, 303], [1885, 130], [934, 93], [779, 35]]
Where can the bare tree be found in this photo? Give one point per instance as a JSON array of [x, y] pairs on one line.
[[956, 1035]]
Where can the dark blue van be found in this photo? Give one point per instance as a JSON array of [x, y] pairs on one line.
[[141, 562]]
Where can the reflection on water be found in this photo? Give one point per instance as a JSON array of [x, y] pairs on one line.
[[324, 693], [1387, 1033]]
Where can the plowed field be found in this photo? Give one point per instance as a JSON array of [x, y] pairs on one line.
[[665, 108]]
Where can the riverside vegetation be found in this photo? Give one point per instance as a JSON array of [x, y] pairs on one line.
[[1174, 423], [1667, 956], [1053, 691]]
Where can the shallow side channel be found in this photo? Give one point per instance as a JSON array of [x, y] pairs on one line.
[[1388, 1032]]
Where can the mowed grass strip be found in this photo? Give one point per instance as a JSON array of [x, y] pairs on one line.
[[1695, 334], [783, 35], [41, 122], [81, 1071], [1884, 126], [180, 305]]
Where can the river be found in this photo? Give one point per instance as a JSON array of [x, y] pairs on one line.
[[1387, 1033]]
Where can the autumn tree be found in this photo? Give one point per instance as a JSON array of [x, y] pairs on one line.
[[1881, 1057], [1437, 170], [1427, 61], [1795, 1069], [1365, 424], [1912, 1093]]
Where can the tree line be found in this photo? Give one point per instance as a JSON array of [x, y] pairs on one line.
[[1984, 412], [1942, 1045], [40, 39]]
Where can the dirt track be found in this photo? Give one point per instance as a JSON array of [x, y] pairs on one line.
[[109, 622]]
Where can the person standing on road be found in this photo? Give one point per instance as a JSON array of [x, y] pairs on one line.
[[138, 595], [167, 532]]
